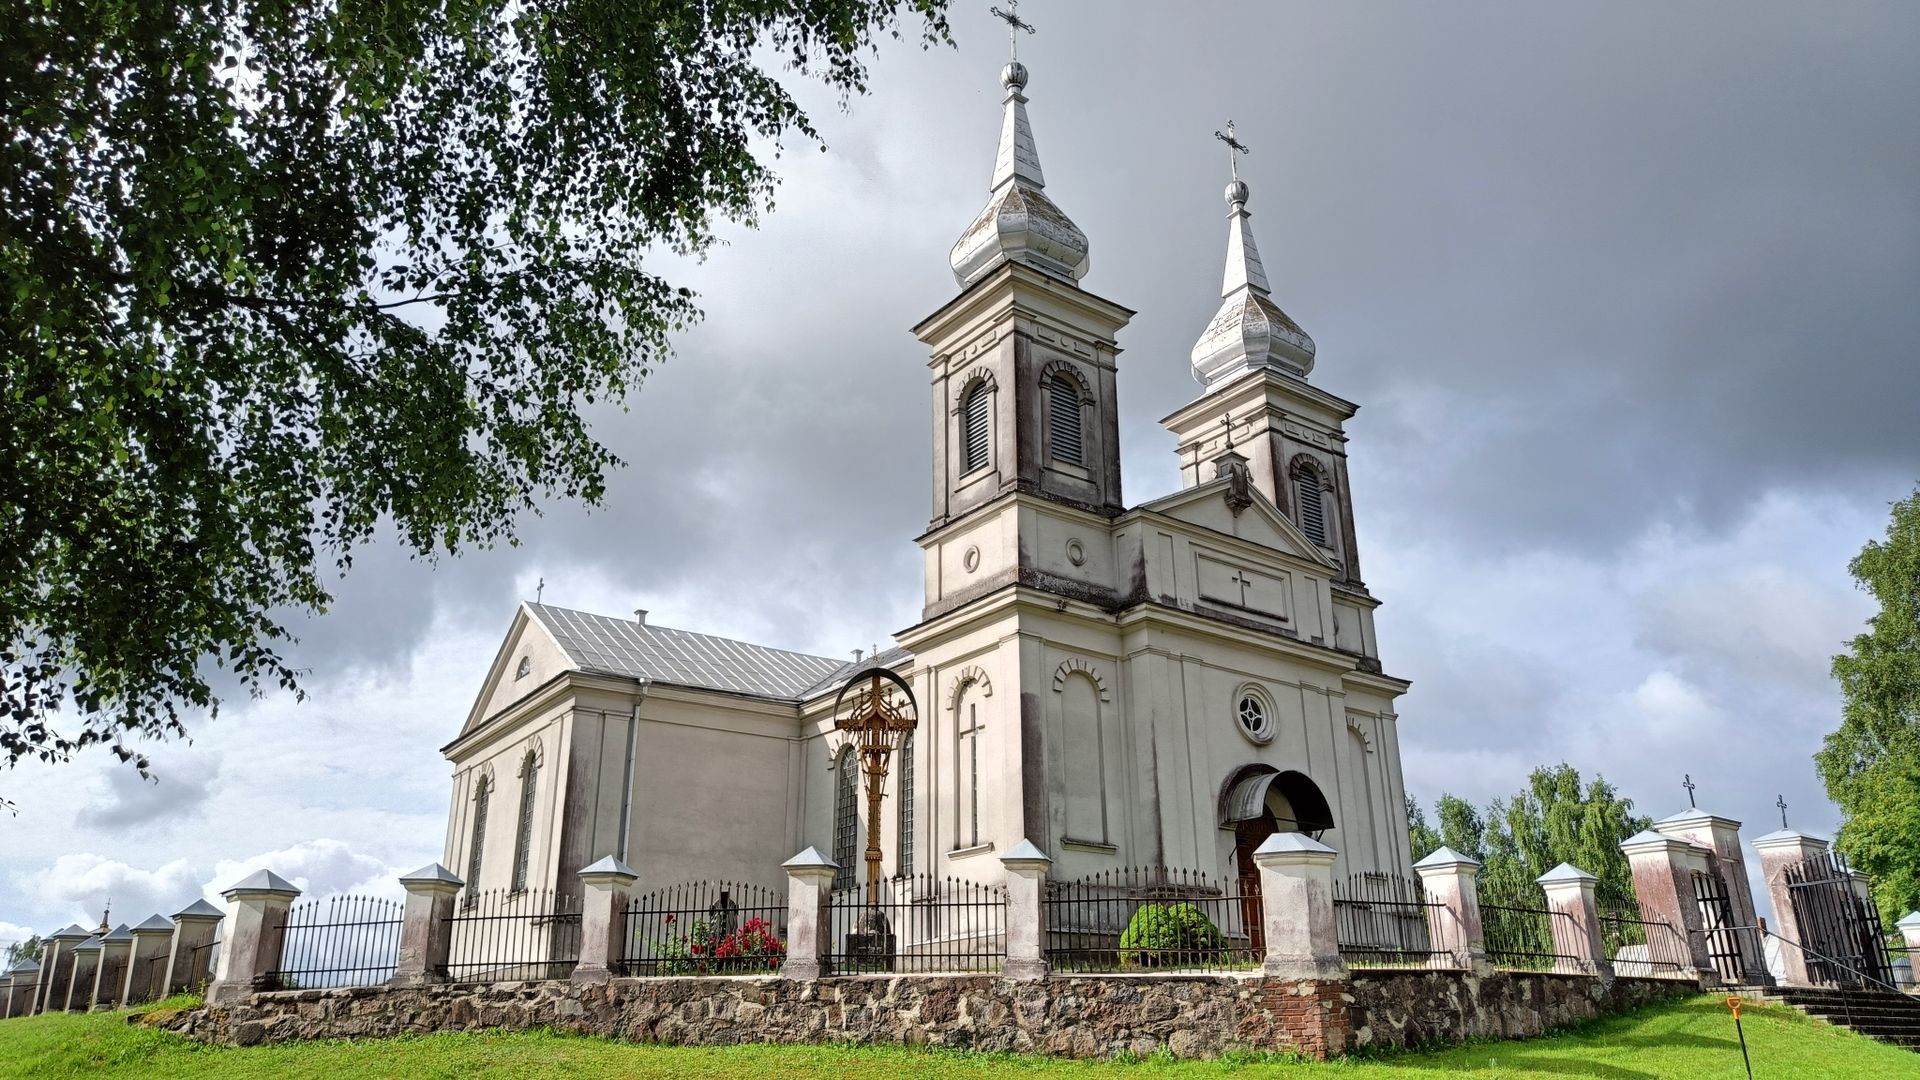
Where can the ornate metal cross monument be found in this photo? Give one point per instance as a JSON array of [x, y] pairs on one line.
[[874, 727]]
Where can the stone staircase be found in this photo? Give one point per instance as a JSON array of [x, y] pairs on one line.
[[1883, 1015]]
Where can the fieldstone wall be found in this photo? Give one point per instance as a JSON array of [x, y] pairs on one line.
[[1415, 1008], [1093, 1016]]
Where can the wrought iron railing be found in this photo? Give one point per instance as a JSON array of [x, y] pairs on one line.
[[1151, 918], [921, 924], [705, 928], [1387, 921], [1637, 946], [339, 941], [505, 935], [1528, 938]]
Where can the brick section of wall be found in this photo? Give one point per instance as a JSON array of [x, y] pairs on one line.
[[1416, 1008], [1195, 1016]]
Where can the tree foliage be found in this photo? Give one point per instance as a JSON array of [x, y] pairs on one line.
[[1554, 819], [274, 273], [1871, 764], [24, 950]]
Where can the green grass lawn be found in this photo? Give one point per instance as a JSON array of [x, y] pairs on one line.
[[1693, 1039]]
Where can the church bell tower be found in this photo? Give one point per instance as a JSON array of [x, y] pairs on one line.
[[1022, 364]]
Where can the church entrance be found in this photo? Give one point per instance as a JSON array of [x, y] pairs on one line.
[[1258, 802]]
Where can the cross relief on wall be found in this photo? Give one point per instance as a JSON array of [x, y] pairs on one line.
[[1232, 582]]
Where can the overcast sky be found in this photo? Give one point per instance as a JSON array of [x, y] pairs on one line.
[[1627, 294]]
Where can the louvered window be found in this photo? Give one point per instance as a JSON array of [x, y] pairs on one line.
[[1063, 420], [905, 860], [1313, 510], [846, 820], [975, 423], [523, 837], [482, 794]]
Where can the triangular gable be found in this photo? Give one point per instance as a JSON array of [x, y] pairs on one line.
[[526, 636], [1260, 522]]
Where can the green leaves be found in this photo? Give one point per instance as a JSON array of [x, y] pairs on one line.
[[1871, 764], [277, 273]]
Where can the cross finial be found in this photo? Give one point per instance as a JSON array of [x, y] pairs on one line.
[[1234, 148], [540, 590], [1781, 802], [1226, 421], [1015, 24], [1686, 781]]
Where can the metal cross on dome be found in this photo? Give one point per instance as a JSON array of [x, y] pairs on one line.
[[1234, 148], [1015, 24]]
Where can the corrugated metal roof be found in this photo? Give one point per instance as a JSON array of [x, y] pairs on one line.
[[609, 646]]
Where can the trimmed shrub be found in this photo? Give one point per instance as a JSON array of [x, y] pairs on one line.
[[1169, 935]]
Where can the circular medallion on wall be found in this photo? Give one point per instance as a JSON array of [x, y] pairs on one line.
[[971, 560], [1076, 552], [1253, 713]]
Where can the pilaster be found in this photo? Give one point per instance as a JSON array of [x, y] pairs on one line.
[[425, 934], [1026, 867]]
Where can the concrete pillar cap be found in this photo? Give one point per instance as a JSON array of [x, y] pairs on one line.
[[199, 909], [73, 932], [1026, 856], [92, 944], [1649, 841], [609, 871], [264, 883], [810, 863], [154, 924], [1292, 848], [434, 874], [1909, 921], [1789, 838], [1444, 858], [1697, 816], [1564, 873]]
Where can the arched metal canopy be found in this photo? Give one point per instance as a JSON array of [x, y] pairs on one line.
[[1245, 798]]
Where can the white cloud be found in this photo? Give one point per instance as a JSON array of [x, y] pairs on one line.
[[77, 887]]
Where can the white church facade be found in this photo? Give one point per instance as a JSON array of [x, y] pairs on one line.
[[1163, 684]]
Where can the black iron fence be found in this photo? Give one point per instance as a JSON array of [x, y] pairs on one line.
[[1529, 938], [1642, 947], [922, 923], [705, 928], [1152, 918], [504, 935], [339, 941], [1388, 921], [1839, 923]]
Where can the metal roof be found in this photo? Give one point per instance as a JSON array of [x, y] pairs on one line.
[[604, 645]]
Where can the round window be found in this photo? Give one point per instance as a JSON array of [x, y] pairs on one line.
[[1253, 718]]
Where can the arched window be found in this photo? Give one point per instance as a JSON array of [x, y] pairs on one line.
[[523, 833], [1063, 420], [904, 860], [482, 794], [846, 819], [1309, 497], [976, 414], [966, 763]]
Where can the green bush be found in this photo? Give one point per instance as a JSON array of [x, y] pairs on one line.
[[1169, 935]]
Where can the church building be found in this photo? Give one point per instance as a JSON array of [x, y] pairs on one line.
[[1162, 684]]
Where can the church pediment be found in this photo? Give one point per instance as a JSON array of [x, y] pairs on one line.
[[529, 657], [1242, 512]]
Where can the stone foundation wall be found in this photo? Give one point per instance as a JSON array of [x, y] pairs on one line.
[[1415, 1008], [1083, 1016]]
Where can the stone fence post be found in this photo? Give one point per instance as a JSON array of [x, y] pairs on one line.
[[1027, 869], [1778, 851], [1663, 868], [195, 928], [1452, 884], [147, 962], [110, 977], [603, 920], [56, 969], [1569, 892], [1296, 901], [809, 919], [255, 935], [425, 933], [1721, 837], [24, 979], [1909, 927], [85, 963]]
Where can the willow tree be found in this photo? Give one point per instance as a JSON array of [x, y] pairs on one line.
[[1871, 764], [276, 275]]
